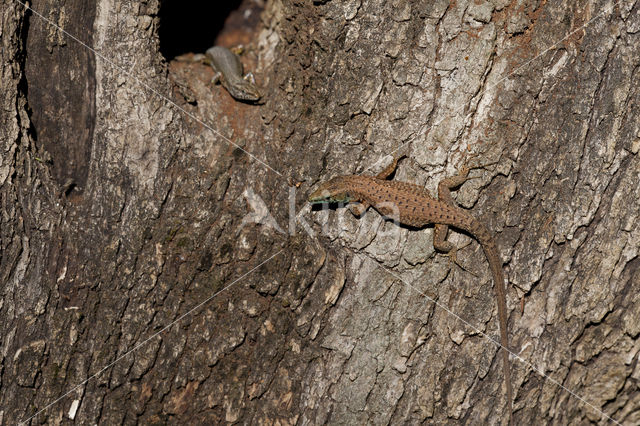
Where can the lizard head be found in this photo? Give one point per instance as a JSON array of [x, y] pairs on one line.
[[245, 90], [336, 190]]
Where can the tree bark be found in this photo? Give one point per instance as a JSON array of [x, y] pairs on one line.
[[160, 264]]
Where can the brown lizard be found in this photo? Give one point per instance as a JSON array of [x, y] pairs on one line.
[[412, 205]]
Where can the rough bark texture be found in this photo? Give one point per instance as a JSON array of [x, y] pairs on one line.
[[149, 267]]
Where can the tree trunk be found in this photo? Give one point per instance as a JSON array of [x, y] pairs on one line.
[[160, 263]]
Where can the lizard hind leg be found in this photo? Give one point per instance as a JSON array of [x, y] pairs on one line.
[[441, 244], [447, 184], [479, 165]]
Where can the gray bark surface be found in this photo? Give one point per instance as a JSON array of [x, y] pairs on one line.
[[153, 269]]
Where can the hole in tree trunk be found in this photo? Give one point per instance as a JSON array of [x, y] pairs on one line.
[[195, 26]]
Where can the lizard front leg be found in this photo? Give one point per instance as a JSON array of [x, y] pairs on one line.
[[217, 78], [358, 209], [384, 174], [250, 78]]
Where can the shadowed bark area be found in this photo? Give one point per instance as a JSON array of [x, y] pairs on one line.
[[159, 262]]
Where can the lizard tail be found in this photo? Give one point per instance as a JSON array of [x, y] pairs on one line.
[[495, 264]]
